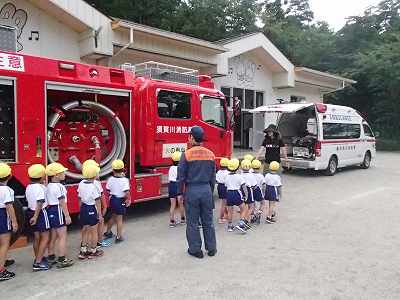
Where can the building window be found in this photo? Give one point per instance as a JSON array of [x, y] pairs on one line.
[[8, 38], [294, 99], [238, 93], [173, 105], [259, 99], [227, 92], [213, 111], [249, 99]]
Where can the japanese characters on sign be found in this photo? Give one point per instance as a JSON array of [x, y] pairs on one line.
[[11, 62], [168, 149], [173, 129]]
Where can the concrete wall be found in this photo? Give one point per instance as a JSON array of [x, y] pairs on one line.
[[311, 93], [50, 37]]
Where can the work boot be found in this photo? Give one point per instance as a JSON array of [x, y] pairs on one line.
[[212, 252]]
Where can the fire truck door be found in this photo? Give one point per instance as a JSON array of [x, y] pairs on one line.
[[214, 114]]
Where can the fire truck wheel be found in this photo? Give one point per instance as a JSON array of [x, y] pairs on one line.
[[19, 213]]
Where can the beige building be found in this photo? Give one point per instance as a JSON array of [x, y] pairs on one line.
[[249, 67]]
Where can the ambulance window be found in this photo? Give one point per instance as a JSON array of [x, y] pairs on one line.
[[340, 131], [213, 111], [7, 121], [367, 131], [173, 105]]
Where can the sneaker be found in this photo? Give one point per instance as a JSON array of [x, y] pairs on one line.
[[241, 228], [119, 240], [273, 219], [212, 252], [268, 220], [65, 263], [6, 275], [8, 263], [253, 219], [172, 224], [42, 266], [231, 228], [104, 243], [183, 221], [258, 221], [82, 255], [95, 254], [51, 260], [246, 225], [108, 235]]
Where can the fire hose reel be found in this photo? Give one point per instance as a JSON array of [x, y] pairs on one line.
[[83, 130]]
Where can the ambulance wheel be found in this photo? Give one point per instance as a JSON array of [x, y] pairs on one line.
[[367, 161], [332, 166], [19, 213]]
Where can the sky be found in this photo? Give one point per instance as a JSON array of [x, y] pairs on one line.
[[335, 11]]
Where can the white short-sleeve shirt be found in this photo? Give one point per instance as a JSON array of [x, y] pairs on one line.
[[260, 179], [221, 175], [88, 192], [273, 180], [55, 192], [118, 186], [249, 179], [98, 185], [173, 174], [35, 192], [6, 195], [234, 182]]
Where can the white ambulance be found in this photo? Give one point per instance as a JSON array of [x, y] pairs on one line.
[[323, 136]]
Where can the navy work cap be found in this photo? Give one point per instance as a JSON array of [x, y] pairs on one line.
[[198, 133]]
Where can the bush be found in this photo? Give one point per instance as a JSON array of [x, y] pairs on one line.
[[387, 145]]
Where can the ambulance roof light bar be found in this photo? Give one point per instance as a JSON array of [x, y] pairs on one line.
[[160, 71]]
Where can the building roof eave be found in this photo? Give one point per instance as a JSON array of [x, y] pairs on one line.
[[120, 23], [324, 75]]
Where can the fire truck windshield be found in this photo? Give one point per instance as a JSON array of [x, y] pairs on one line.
[[213, 111]]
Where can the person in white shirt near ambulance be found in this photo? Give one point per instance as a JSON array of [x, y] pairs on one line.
[[119, 189], [273, 192], [8, 220], [173, 187], [58, 213], [37, 216]]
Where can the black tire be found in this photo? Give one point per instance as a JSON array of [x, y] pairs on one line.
[[20, 215], [367, 161], [332, 166]]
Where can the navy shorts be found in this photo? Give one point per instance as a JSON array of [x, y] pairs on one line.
[[173, 189], [5, 222], [258, 196], [221, 191], [271, 193], [250, 198], [118, 206], [42, 223], [234, 198], [56, 216], [88, 215]]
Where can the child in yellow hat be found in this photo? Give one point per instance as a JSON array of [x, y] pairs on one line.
[[58, 213], [37, 216], [221, 187], [273, 191], [120, 198], [8, 220], [175, 199], [90, 212]]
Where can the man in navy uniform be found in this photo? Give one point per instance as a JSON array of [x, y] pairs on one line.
[[196, 178]]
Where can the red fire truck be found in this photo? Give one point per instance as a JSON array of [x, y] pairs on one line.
[[54, 110]]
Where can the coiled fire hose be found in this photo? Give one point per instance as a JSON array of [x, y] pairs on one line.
[[119, 147]]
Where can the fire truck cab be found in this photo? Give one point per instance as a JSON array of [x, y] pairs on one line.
[[53, 110]]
